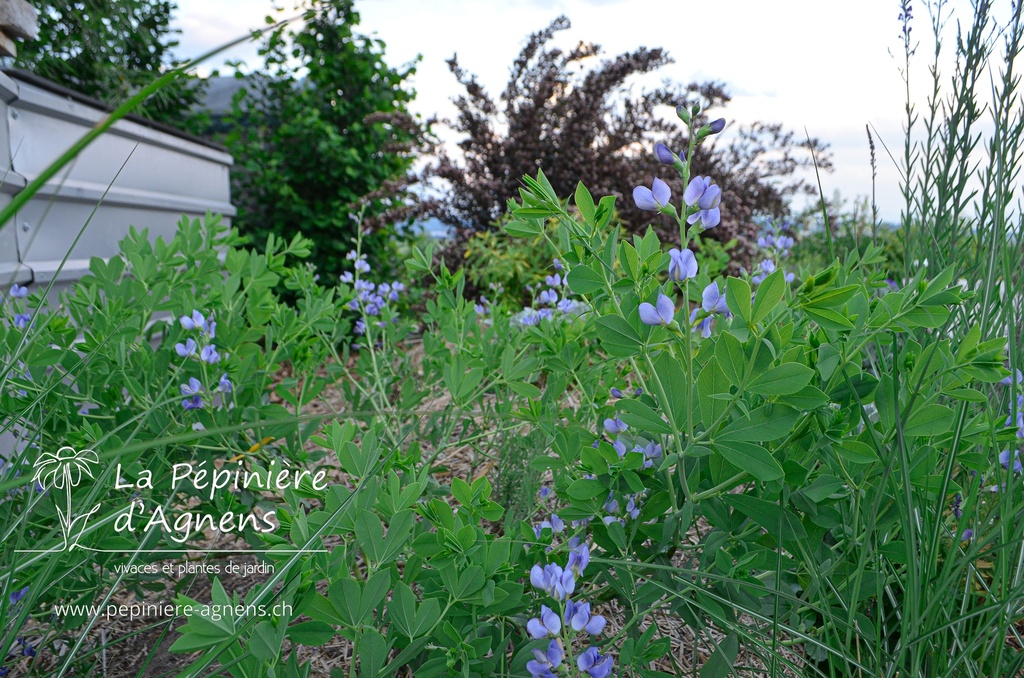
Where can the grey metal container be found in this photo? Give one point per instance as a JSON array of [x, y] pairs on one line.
[[138, 174]]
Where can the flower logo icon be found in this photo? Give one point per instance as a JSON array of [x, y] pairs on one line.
[[62, 470]]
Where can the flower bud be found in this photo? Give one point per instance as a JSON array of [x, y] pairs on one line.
[[684, 113], [663, 154], [717, 126]]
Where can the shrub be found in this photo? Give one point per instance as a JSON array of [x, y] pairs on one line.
[[322, 133], [564, 119]]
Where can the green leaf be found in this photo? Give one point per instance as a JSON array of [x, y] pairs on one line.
[[737, 295], [585, 203], [521, 388], [719, 664], [522, 228], [462, 491], [751, 458], [807, 398], [731, 359], [829, 319], [822, 488], [712, 391], [769, 293], [584, 280], [373, 593], [676, 387], [766, 423], [971, 395], [370, 535], [311, 633], [768, 515], [402, 609], [637, 414], [929, 420], [617, 335], [585, 489], [785, 379], [857, 452]]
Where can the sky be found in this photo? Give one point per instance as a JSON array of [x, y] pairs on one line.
[[829, 67]]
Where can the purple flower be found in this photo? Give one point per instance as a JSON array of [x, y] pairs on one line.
[[594, 665], [613, 426], [209, 355], [567, 306], [706, 196], [557, 524], [704, 326], [192, 389], [767, 267], [1015, 379], [543, 662], [579, 558], [1004, 459], [652, 451], [347, 278], [663, 154], [553, 280], [717, 125], [612, 505], [713, 301], [544, 492], [187, 349], [653, 198], [225, 385], [682, 265], [616, 393], [21, 320], [548, 297], [557, 264], [19, 292], [26, 648], [353, 255], [957, 511], [661, 314], [196, 321], [553, 580], [620, 448], [547, 624], [16, 596], [577, 615], [966, 534], [632, 509], [361, 266]]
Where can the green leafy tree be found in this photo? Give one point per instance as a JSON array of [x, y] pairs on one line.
[[323, 133], [109, 49]]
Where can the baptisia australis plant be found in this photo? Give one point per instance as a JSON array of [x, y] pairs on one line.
[[765, 411]]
